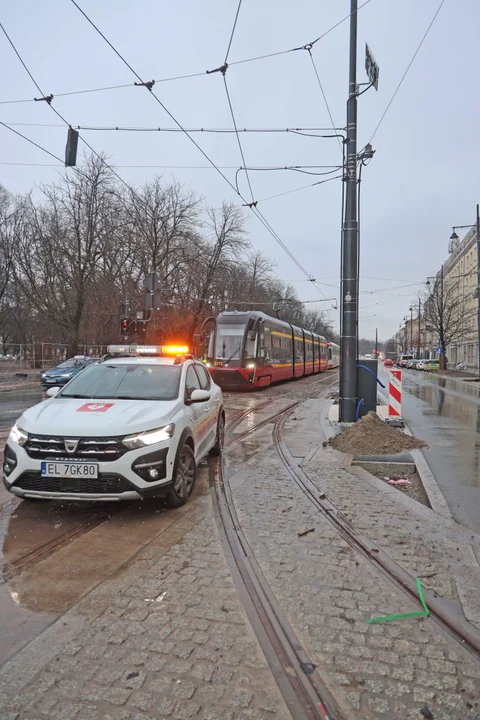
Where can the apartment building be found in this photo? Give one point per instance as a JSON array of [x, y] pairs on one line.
[[460, 274]]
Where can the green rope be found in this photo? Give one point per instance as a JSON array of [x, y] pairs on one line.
[[423, 613]]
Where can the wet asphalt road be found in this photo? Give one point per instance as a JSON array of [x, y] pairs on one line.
[[43, 544], [14, 402], [445, 412]]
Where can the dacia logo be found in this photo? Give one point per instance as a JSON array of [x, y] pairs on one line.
[[71, 445]]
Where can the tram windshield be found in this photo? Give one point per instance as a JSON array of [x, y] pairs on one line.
[[229, 342]]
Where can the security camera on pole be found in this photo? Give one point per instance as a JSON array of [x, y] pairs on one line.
[[350, 232]]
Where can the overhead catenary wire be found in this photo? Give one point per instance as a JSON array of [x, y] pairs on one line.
[[203, 73], [238, 139], [233, 31], [306, 132], [148, 86], [407, 69], [303, 187], [325, 98], [48, 100], [296, 168]]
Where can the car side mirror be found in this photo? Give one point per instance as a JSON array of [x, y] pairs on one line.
[[51, 392], [198, 396]]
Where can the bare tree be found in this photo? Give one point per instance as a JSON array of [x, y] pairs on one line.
[[63, 241], [445, 313], [227, 227]]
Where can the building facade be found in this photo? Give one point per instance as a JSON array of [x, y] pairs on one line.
[[460, 273]]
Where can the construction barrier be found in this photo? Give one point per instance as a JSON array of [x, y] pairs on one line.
[[395, 394]]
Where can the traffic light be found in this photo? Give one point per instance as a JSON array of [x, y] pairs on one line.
[[125, 326]]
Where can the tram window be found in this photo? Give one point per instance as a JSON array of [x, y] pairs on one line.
[[261, 352], [267, 342], [298, 351], [308, 350], [229, 342], [250, 346]]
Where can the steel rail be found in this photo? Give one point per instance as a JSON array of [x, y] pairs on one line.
[[461, 630]]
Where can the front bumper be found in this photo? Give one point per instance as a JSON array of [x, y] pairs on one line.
[[117, 480], [57, 382]]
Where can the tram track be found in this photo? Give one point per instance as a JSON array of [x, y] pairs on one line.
[[303, 690], [440, 610]]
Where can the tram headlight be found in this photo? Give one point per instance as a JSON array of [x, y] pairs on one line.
[[251, 366]]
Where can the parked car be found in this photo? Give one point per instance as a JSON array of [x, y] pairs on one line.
[[405, 359], [432, 365], [63, 373], [388, 363], [124, 429], [421, 364]]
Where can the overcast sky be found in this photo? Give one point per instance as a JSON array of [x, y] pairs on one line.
[[424, 176]]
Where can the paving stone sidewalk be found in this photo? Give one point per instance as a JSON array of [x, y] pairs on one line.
[[328, 591], [167, 638]]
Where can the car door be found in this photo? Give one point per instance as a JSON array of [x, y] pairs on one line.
[[198, 412], [213, 404]]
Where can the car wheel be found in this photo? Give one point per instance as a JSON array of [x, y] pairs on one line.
[[184, 476], [217, 449]]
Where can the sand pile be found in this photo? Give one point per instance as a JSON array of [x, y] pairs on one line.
[[371, 436]]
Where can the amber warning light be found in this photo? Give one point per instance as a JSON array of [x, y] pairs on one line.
[[175, 349]]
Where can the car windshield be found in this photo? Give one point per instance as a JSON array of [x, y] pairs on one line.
[[229, 342], [70, 363], [134, 381]]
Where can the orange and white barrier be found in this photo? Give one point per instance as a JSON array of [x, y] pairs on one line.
[[395, 394]]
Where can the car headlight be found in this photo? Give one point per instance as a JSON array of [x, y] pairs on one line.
[[66, 375], [150, 437], [18, 435]]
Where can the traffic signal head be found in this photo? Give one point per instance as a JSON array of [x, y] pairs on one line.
[[125, 325]]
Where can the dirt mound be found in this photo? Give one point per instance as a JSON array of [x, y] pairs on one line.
[[371, 436]]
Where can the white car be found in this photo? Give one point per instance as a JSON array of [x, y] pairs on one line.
[[123, 429]]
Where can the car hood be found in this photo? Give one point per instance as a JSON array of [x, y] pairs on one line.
[[65, 416], [56, 372]]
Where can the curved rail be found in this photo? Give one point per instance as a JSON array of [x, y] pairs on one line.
[[461, 630]]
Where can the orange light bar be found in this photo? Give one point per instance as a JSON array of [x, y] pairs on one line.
[[175, 349]]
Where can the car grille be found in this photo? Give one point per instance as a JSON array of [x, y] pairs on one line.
[[106, 483], [52, 447]]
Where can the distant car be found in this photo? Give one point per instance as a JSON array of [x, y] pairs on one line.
[[63, 373], [388, 363], [405, 359], [432, 365], [421, 364]]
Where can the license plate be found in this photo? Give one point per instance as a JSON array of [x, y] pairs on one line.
[[50, 380], [69, 470]]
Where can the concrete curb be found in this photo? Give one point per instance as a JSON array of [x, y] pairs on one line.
[[430, 485]]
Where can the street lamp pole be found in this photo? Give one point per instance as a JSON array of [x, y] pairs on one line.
[[349, 280], [411, 328], [419, 336]]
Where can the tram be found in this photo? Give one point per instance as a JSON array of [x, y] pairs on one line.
[[251, 350], [333, 355]]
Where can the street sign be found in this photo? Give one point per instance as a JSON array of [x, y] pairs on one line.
[[151, 282], [373, 71]]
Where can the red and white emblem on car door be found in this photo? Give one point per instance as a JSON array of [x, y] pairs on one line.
[[95, 407]]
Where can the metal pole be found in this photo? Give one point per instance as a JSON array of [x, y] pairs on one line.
[[349, 281], [411, 329], [478, 284], [442, 321], [376, 343], [419, 354]]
